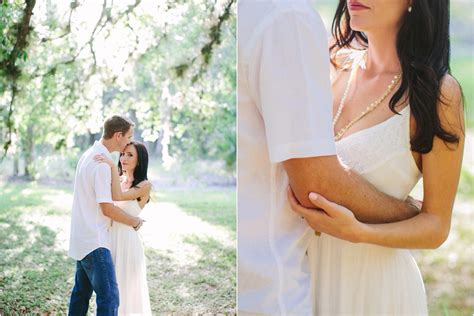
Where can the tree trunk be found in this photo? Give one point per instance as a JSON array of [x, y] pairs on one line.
[[16, 165], [165, 124], [28, 152]]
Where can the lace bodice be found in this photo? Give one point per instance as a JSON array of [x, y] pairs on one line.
[[382, 155]]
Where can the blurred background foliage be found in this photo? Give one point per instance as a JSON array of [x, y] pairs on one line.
[[168, 65]]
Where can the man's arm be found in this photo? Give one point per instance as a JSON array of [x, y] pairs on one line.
[[103, 192], [326, 175], [117, 214], [141, 190], [289, 81]]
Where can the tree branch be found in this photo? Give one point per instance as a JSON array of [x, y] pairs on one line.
[[12, 70], [206, 49]]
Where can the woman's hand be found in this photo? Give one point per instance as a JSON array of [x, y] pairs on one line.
[[328, 217], [102, 158]]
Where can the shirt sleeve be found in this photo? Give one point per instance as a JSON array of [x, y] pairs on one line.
[[289, 80], [103, 184]]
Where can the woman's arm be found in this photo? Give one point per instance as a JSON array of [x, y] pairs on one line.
[[441, 171], [142, 189]]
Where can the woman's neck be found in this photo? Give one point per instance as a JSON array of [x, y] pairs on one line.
[[382, 54], [128, 177]]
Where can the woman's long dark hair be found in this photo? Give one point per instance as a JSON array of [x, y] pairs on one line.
[[141, 169], [423, 47]]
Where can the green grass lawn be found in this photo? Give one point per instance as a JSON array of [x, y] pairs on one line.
[[208, 284], [214, 209], [36, 276], [448, 272]]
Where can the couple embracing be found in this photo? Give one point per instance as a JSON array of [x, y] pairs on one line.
[[332, 139], [104, 241]]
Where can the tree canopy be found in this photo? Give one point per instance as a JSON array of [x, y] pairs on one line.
[[169, 65]]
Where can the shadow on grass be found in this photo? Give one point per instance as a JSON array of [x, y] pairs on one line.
[[207, 286], [35, 277]]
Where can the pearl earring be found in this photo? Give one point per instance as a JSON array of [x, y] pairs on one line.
[[410, 8]]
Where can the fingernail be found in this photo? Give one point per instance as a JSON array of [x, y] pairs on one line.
[[313, 196]]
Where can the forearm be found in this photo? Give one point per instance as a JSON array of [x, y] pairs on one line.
[[328, 177], [118, 215], [368, 203], [424, 231], [117, 193]]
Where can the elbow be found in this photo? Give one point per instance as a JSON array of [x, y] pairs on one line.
[[304, 187], [439, 237], [117, 197], [302, 193], [107, 209], [315, 174]]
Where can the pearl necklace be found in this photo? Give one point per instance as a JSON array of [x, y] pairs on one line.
[[369, 109]]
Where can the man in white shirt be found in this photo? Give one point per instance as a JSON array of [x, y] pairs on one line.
[[285, 136], [92, 210]]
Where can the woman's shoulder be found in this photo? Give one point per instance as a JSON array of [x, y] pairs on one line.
[[144, 184], [451, 108], [450, 90]]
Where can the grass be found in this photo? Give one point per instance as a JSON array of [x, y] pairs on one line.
[[448, 271], [36, 275], [215, 209], [206, 284]]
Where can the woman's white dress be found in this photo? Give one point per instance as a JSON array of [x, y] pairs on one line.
[[130, 267], [365, 279]]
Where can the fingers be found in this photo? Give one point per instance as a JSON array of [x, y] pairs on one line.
[[313, 217], [309, 214], [99, 158], [417, 204], [295, 205], [321, 202]]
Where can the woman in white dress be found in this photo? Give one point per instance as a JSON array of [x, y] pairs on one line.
[[131, 190], [398, 115]]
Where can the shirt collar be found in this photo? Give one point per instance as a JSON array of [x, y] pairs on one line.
[[102, 149]]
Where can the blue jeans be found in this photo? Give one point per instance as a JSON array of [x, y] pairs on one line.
[[95, 273]]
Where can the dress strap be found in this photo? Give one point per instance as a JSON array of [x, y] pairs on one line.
[[348, 58]]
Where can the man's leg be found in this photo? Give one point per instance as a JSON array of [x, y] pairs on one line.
[[104, 282], [81, 293]]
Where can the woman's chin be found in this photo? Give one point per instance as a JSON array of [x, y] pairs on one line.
[[127, 170], [357, 25]]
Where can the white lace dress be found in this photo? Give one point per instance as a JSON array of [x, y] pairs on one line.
[[130, 267], [365, 279]]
